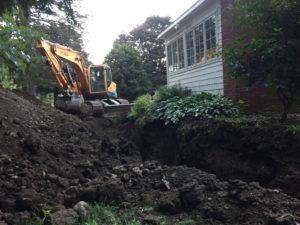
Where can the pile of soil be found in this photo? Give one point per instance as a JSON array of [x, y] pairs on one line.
[[264, 151], [52, 160]]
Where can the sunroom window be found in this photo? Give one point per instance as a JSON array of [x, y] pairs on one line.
[[175, 53], [200, 45], [190, 48]]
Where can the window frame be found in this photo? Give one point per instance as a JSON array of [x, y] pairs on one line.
[[178, 63], [183, 36]]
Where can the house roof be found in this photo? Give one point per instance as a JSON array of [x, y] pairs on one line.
[[180, 18]]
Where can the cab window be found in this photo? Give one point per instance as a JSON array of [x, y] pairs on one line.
[[108, 75], [97, 79]]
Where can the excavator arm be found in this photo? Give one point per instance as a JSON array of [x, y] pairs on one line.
[[66, 65]]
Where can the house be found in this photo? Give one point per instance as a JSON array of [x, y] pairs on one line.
[[193, 42]]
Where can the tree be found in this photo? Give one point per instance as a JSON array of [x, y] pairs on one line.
[[272, 55], [26, 22], [151, 49], [28, 8], [128, 72], [17, 45]]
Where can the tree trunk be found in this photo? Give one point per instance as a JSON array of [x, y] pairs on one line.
[[286, 96], [32, 90], [286, 110]]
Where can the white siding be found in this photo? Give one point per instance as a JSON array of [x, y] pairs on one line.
[[203, 77]]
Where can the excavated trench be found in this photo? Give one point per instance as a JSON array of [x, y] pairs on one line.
[[51, 160], [268, 154]]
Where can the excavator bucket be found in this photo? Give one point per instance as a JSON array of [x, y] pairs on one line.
[[116, 107]]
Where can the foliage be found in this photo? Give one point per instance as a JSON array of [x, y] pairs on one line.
[[39, 221], [17, 47], [167, 92], [26, 8], [269, 50], [128, 71], [139, 110], [5, 78], [102, 214], [204, 105], [151, 49]]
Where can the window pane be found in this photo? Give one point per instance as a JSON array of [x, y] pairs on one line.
[[210, 31], [175, 55], [190, 48], [169, 52], [199, 36], [180, 52]]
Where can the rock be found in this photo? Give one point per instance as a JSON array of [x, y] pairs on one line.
[[52, 177], [15, 218], [151, 219], [82, 208], [6, 202], [281, 219], [31, 143], [137, 171], [88, 193], [169, 203], [16, 121], [64, 217], [27, 199], [166, 183], [191, 195], [111, 190], [62, 182], [125, 177]]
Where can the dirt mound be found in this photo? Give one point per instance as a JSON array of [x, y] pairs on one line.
[[51, 160], [268, 153]]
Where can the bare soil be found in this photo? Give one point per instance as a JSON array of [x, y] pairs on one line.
[[52, 160]]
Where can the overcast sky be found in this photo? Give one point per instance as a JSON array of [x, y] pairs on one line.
[[108, 19]]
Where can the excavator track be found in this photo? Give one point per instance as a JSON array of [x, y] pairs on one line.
[[105, 107]]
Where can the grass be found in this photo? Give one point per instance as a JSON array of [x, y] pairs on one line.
[[102, 214]]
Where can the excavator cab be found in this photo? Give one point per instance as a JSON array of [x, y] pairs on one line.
[[97, 79], [101, 81]]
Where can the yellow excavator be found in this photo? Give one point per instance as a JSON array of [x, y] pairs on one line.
[[82, 89]]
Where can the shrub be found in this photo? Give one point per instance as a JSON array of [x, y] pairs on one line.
[[203, 105], [139, 112], [6, 79], [164, 93]]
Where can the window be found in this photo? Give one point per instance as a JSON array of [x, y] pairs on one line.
[[200, 45], [210, 29], [199, 36], [169, 55], [175, 53], [97, 78], [180, 53], [190, 48]]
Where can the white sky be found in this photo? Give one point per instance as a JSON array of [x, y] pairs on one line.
[[108, 19]]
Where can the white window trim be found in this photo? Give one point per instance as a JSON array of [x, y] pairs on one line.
[[215, 12]]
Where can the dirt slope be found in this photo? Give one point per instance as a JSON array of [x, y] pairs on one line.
[[268, 153], [51, 160]]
